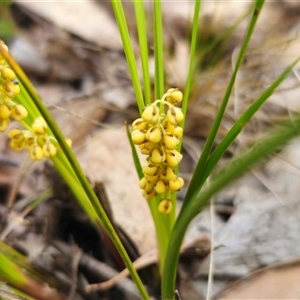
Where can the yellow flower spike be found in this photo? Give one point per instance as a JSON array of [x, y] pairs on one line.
[[175, 115], [35, 152], [157, 156], [19, 112], [4, 124], [49, 150], [154, 135], [151, 114], [142, 183], [149, 195], [146, 148], [174, 96], [167, 173], [139, 124], [11, 89], [161, 187], [176, 184], [150, 169], [170, 142], [39, 126], [178, 132], [173, 158], [138, 137], [165, 206], [18, 146], [4, 111], [8, 74]]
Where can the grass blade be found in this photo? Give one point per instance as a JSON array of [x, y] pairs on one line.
[[158, 50], [197, 176], [123, 29], [233, 170], [142, 33]]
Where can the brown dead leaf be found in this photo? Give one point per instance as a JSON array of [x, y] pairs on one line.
[[88, 20], [280, 281], [108, 158]]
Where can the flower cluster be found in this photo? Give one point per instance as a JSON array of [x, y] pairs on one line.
[[9, 88], [38, 143], [36, 139], [157, 134]]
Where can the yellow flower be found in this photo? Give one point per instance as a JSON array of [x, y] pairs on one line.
[[39, 126], [157, 156], [154, 135], [4, 111], [35, 152], [170, 141], [161, 187], [151, 114], [11, 89], [8, 74], [173, 158], [175, 115], [174, 96], [138, 137], [19, 112], [176, 184], [49, 150], [165, 206], [4, 124]]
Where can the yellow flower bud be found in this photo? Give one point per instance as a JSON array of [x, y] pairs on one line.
[[39, 126], [176, 184], [139, 124], [151, 179], [173, 158], [4, 111], [138, 137], [151, 114], [153, 135], [142, 183], [178, 132], [11, 89], [49, 150], [167, 173], [165, 206], [149, 186], [146, 148], [150, 169], [168, 127], [8, 74], [161, 187], [4, 124], [149, 195], [16, 135], [174, 96], [18, 146], [175, 115], [35, 152], [170, 141], [157, 156], [19, 112]]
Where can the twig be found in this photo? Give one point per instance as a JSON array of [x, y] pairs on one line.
[[145, 260], [211, 262], [75, 262]]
